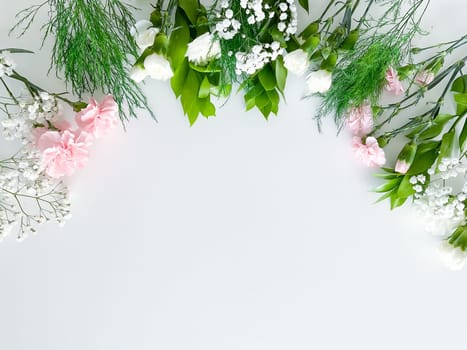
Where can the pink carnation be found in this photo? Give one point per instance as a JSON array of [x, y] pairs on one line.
[[97, 119], [360, 120], [394, 85], [63, 151], [369, 153], [424, 77]]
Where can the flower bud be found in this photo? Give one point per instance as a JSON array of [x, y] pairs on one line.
[[161, 44], [405, 158]]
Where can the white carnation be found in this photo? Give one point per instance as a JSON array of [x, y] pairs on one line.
[[158, 67], [454, 258], [296, 62], [319, 81], [138, 74], [203, 49]]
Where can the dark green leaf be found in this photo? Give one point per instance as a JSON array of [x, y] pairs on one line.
[[304, 4], [191, 9], [460, 84]]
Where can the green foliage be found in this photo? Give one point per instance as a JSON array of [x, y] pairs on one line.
[[263, 90], [92, 47], [360, 77], [194, 85], [304, 4], [397, 188], [460, 87], [459, 238]]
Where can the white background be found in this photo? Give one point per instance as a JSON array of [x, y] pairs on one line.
[[237, 233]]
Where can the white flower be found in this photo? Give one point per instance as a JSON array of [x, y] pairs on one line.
[[319, 81], [158, 67], [146, 38], [203, 49], [144, 34], [138, 74], [454, 258], [296, 62]]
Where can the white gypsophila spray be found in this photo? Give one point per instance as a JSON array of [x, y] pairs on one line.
[[441, 206], [32, 113], [259, 56], [28, 197]]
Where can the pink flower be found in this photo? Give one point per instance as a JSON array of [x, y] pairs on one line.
[[360, 120], [424, 77], [402, 166], [369, 153], [97, 119], [394, 85], [63, 151]]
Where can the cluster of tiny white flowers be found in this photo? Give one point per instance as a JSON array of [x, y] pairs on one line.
[[228, 27], [28, 197], [35, 112], [256, 12], [260, 55], [7, 65], [288, 18], [438, 203]]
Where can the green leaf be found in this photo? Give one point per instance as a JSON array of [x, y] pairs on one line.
[[262, 100], [405, 188], [16, 50], [304, 4], [311, 43], [397, 201], [431, 132], [424, 158], [460, 85], [267, 78], [204, 88], [178, 80], [447, 144], [443, 118], [191, 9], [461, 99], [178, 41], [388, 186], [281, 74], [189, 94], [250, 103], [273, 97], [206, 107], [311, 29], [351, 40], [459, 238], [463, 137], [265, 110]]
